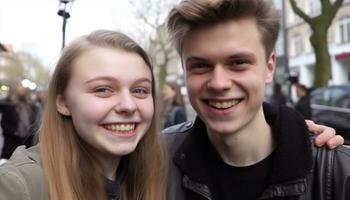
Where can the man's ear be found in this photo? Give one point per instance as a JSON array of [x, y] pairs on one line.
[[61, 106], [271, 66]]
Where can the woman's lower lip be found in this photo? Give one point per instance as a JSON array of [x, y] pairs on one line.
[[125, 134]]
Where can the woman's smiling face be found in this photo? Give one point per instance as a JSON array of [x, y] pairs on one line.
[[109, 99]]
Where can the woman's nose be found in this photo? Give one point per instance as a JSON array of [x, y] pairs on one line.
[[125, 103]]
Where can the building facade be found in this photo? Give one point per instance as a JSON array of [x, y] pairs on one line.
[[301, 58]]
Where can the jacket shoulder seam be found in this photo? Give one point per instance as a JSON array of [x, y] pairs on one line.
[[19, 179], [343, 150], [179, 128]]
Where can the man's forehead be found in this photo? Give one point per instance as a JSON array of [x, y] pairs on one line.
[[225, 39]]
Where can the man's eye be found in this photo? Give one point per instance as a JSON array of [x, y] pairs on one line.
[[198, 68], [240, 61], [199, 65], [239, 64]]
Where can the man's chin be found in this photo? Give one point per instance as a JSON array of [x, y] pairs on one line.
[[221, 128]]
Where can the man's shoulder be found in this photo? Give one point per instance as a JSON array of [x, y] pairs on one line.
[[178, 128], [175, 135], [343, 152], [339, 157]]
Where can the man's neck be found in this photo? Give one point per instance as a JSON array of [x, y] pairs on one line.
[[247, 146]]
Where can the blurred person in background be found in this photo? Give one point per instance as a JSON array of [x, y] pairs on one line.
[[174, 108], [19, 115], [40, 98], [303, 104], [278, 98]]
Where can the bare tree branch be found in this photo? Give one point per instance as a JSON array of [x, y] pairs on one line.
[[299, 12], [336, 5], [153, 15]]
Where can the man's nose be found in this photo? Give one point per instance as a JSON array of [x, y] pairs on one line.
[[219, 79]]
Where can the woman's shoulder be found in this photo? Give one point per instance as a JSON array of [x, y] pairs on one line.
[[22, 177], [23, 159]]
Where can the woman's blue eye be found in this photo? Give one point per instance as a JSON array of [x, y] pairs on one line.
[[103, 91], [140, 91]]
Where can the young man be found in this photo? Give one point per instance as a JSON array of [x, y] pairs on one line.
[[239, 147]]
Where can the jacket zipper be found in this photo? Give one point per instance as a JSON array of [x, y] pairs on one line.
[[198, 188]]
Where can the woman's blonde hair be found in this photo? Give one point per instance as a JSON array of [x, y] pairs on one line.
[[71, 170]]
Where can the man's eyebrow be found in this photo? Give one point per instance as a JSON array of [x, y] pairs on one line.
[[242, 55], [195, 58], [233, 56]]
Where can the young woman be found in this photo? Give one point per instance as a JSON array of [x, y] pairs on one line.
[[99, 136]]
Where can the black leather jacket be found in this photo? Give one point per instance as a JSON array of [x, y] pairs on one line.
[[300, 171]]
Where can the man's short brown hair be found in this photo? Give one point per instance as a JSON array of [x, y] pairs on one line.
[[192, 14]]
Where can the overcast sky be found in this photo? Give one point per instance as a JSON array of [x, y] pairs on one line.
[[35, 27]]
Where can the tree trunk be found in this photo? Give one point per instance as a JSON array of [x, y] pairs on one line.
[[323, 61], [162, 75]]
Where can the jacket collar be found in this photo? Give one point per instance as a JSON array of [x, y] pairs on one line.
[[293, 156], [33, 154]]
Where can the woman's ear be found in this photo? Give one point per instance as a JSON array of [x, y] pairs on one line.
[[61, 106]]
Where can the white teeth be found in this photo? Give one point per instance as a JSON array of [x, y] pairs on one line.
[[120, 127], [223, 104]]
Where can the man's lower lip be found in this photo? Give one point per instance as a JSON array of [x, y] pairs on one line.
[[220, 111]]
